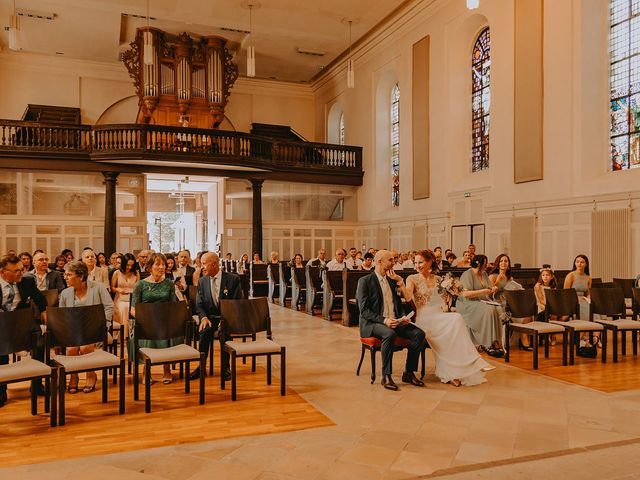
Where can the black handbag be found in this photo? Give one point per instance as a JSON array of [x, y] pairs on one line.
[[588, 352]]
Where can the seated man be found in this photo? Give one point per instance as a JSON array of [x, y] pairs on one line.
[[338, 263], [214, 285], [380, 307], [46, 279], [353, 262], [320, 260]]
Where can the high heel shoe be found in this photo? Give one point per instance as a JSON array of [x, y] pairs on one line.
[[72, 387], [522, 346]]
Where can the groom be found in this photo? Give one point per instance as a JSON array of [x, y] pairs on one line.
[[380, 307]]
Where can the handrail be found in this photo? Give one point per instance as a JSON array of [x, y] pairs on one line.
[[153, 141]]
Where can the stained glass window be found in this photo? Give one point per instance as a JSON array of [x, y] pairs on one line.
[[480, 101], [341, 129], [395, 146], [624, 81]]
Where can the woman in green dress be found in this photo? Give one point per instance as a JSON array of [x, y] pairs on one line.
[[155, 288]]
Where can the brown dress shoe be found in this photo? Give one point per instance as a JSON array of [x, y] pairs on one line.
[[410, 377], [388, 383]]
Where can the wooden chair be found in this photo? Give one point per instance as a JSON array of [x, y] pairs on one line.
[[298, 287], [635, 303], [249, 317], [163, 321], [626, 285], [273, 274], [332, 288], [374, 344], [522, 304], [74, 327], [52, 296], [259, 281], [285, 283], [563, 302], [17, 334], [315, 294], [609, 302]]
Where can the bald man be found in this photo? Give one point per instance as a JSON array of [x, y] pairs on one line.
[[213, 286]]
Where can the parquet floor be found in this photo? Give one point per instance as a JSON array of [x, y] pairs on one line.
[[588, 372], [94, 428]]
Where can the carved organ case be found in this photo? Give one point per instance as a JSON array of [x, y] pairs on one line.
[[180, 81]]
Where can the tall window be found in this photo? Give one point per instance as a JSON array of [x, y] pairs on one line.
[[341, 129], [624, 80], [480, 101], [395, 146]]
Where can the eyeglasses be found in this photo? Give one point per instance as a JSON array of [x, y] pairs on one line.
[[68, 274], [16, 270], [44, 259]]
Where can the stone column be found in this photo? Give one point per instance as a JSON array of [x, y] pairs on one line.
[[256, 236], [110, 182]]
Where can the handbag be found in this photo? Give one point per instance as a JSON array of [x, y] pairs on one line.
[[588, 352]]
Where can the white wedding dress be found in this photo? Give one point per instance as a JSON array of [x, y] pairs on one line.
[[448, 335]]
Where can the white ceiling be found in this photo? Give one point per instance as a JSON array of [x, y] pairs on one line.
[[100, 29]]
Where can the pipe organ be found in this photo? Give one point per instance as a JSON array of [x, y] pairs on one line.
[[180, 80]]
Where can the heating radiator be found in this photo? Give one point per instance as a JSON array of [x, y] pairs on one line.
[[611, 244]]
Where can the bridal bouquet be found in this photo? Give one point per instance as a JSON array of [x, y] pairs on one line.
[[449, 287]]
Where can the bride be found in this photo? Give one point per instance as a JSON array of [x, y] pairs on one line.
[[457, 360]]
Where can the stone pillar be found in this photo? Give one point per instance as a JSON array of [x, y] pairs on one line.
[[110, 182], [256, 236]]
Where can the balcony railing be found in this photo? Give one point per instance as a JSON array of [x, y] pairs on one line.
[[157, 142]]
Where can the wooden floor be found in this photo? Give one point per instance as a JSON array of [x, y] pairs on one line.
[[588, 372], [94, 428]]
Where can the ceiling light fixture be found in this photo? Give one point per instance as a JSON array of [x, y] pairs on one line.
[[251, 51], [351, 78], [14, 28], [147, 54], [473, 4]]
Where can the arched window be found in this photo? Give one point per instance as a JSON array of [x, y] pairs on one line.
[[395, 146], [480, 101], [624, 80], [341, 129]]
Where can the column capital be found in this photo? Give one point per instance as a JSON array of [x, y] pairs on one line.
[[256, 182], [110, 176]]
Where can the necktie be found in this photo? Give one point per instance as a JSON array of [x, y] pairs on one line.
[[8, 306], [387, 296], [213, 291]]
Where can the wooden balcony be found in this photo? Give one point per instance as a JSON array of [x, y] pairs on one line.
[[158, 148]]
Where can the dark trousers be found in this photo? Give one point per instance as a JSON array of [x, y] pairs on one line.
[[206, 337], [388, 336]]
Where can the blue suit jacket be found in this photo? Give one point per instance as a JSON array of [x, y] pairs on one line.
[[371, 302], [230, 289]]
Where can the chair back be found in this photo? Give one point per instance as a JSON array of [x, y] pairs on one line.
[[285, 274], [160, 320], [351, 282], [602, 284], [314, 275], [245, 284], [521, 303], [527, 282], [607, 301], [273, 272], [626, 285], [297, 278], [244, 317], [259, 272], [562, 302], [635, 300], [52, 296], [75, 326], [333, 280], [192, 293], [16, 331], [596, 280]]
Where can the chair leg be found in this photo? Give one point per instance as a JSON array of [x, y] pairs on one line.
[[268, 369], [507, 342], [603, 339], [572, 347], [634, 340], [147, 386], [233, 376], [564, 348], [623, 334], [34, 398], [361, 359], [53, 392], [244, 359], [105, 385], [187, 380], [283, 371], [136, 380], [373, 364], [121, 387], [536, 343], [62, 385], [614, 334], [211, 358], [546, 346], [47, 394], [222, 382], [202, 374]]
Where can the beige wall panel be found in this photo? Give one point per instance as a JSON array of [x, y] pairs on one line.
[[420, 112], [97, 95]]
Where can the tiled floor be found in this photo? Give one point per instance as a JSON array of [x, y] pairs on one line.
[[387, 435]]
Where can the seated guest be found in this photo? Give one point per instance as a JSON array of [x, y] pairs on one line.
[[274, 257], [96, 273], [546, 280], [353, 263], [102, 260], [82, 292], [397, 263], [580, 280], [122, 283], [380, 317], [19, 292], [320, 260], [372, 251], [483, 319], [465, 261], [440, 264], [184, 271], [152, 289], [338, 263], [171, 266], [256, 258], [243, 265], [368, 265], [229, 264], [451, 258], [59, 264], [27, 262], [359, 255], [67, 254], [213, 286], [406, 261], [142, 257], [472, 251], [46, 279], [296, 262]]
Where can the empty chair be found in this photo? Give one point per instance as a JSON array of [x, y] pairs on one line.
[[17, 335], [333, 294], [298, 287], [564, 303], [314, 288], [259, 283], [626, 285], [522, 304], [249, 317], [74, 327], [609, 302], [285, 272], [635, 303], [273, 274], [164, 321]]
